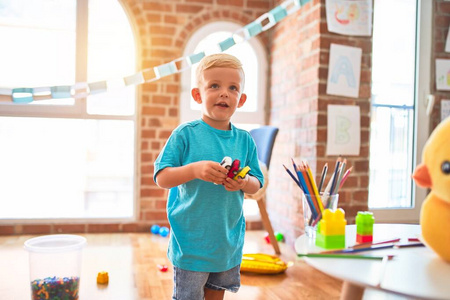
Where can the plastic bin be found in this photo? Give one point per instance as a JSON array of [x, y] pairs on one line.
[[55, 266]]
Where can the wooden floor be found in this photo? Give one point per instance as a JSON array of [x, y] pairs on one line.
[[131, 261]]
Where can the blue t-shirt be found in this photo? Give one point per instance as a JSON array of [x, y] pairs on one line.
[[207, 221]]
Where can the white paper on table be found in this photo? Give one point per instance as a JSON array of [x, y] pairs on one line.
[[343, 132], [349, 17], [344, 71], [443, 74]]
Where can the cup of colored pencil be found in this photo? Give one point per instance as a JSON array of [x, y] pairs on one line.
[[312, 212], [315, 197]]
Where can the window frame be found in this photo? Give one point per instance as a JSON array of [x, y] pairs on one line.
[[79, 110], [421, 120]]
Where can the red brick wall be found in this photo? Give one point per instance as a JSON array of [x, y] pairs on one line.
[[299, 60], [441, 11]]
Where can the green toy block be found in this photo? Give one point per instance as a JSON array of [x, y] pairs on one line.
[[364, 223], [330, 241]]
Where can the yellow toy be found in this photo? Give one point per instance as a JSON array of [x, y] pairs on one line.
[[434, 173], [242, 173], [102, 278], [331, 229], [262, 263]]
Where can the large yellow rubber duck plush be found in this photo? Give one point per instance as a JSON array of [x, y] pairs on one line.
[[434, 173]]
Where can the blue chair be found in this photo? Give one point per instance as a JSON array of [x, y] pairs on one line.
[[265, 139]]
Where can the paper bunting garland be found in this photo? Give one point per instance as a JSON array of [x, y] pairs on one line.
[[83, 89]]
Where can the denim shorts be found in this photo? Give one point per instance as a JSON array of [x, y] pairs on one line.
[[190, 285]]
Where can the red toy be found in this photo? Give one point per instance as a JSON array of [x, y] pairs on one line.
[[163, 268], [234, 168]]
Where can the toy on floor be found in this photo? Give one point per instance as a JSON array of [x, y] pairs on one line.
[[155, 229], [434, 173], [262, 263], [331, 229], [163, 268], [279, 236], [267, 238], [162, 231], [364, 227], [102, 277]]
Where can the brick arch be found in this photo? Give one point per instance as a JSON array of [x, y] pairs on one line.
[[136, 17], [207, 17]]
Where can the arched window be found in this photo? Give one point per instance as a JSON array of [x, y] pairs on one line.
[[67, 158], [251, 53]]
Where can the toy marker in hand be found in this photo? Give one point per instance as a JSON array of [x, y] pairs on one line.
[[242, 173], [234, 168], [226, 162]]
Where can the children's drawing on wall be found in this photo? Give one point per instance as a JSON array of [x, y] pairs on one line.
[[349, 17], [344, 71], [443, 74], [343, 135]]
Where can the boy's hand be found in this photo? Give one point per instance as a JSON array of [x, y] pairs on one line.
[[210, 171], [232, 185]]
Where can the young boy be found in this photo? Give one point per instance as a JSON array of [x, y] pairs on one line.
[[204, 207]]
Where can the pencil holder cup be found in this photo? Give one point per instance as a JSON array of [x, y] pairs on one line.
[[55, 266], [312, 210]]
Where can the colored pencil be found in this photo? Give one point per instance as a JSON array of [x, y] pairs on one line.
[[340, 175], [335, 176], [293, 177], [295, 167], [409, 245], [363, 245], [302, 173], [347, 173], [322, 177], [351, 256], [301, 183], [314, 186], [369, 248]]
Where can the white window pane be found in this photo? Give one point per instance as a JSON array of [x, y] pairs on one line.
[[38, 43], [111, 56], [394, 38], [392, 115], [66, 168]]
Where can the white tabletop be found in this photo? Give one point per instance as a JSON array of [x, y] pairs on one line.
[[416, 272]]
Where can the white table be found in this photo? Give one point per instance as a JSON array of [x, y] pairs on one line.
[[414, 272]]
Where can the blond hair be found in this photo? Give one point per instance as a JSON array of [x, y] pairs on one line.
[[220, 60]]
